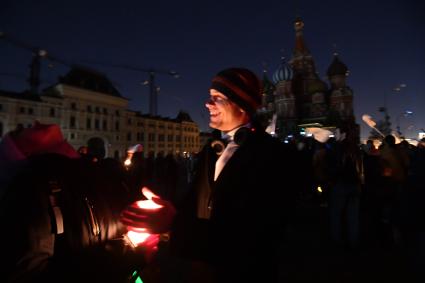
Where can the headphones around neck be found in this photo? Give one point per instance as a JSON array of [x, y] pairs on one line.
[[240, 137], [218, 146]]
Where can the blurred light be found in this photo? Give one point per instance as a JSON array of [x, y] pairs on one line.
[[148, 204], [140, 235], [42, 53], [127, 162], [319, 189], [412, 142], [137, 276], [137, 238]]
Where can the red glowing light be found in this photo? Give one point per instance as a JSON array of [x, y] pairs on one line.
[[139, 236]]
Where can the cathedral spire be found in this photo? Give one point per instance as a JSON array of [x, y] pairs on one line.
[[335, 53], [337, 67], [264, 64], [300, 46]]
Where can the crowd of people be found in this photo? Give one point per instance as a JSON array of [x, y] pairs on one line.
[[220, 216]]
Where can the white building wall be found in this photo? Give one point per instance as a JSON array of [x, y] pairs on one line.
[[117, 126]]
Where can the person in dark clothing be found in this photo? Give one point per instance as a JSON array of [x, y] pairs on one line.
[[230, 223], [413, 213], [394, 165], [61, 213], [344, 196]]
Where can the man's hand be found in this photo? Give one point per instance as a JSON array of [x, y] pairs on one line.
[[155, 215]]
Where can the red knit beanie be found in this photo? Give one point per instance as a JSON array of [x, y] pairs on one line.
[[241, 86]]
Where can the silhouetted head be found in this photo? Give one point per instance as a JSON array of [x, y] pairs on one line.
[[389, 140]]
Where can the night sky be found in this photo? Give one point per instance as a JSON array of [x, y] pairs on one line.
[[381, 42]]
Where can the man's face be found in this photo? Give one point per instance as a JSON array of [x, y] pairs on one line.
[[224, 114]]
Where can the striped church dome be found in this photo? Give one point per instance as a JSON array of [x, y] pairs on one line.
[[283, 73]]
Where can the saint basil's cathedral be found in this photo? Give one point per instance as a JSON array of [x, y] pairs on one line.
[[298, 98]]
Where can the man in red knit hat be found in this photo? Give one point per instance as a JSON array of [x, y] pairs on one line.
[[230, 222]]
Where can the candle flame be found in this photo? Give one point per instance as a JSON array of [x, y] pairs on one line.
[[148, 204], [148, 193], [138, 236], [127, 162], [319, 189]]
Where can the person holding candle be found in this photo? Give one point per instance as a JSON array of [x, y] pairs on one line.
[[230, 223], [61, 213]]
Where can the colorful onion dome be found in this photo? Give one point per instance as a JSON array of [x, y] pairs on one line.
[[283, 73]]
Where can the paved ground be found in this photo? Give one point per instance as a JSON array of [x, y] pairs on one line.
[[309, 256]]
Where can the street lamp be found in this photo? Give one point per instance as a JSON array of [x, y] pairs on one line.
[[384, 108], [397, 88], [406, 113]]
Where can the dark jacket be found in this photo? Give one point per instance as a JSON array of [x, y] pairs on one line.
[[344, 161], [247, 210], [90, 249]]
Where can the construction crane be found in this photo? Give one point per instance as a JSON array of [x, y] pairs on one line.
[[35, 65], [153, 89]]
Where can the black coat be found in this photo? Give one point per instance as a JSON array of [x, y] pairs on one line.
[[90, 249], [249, 203]]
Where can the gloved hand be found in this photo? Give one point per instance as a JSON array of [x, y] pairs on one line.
[[155, 214], [149, 247], [145, 220]]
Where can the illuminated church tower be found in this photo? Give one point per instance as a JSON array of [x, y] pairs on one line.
[[299, 97], [341, 96], [310, 90]]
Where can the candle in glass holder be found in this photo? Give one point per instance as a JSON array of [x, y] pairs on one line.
[[139, 235]]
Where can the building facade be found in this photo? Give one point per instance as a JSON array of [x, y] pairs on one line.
[[89, 109]]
